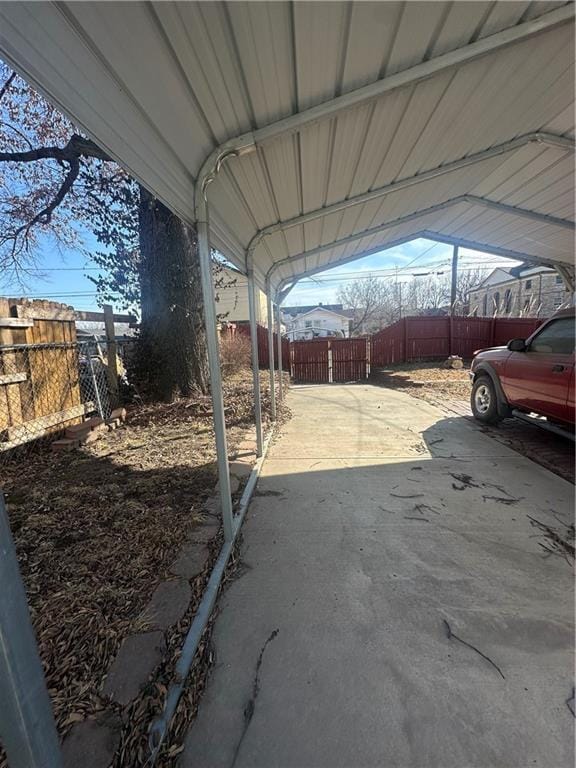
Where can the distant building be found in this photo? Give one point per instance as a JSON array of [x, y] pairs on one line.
[[316, 321], [522, 291], [232, 298]]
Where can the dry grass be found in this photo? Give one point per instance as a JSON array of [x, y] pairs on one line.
[[428, 381], [97, 529]]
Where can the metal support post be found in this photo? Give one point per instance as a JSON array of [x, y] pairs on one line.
[[271, 354], [255, 362], [454, 286], [214, 363], [279, 347], [27, 729]]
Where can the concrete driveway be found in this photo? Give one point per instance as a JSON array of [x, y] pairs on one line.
[[395, 608]]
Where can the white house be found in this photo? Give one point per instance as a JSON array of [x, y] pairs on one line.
[[316, 321]]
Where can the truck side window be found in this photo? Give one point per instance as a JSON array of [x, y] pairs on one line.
[[557, 338]]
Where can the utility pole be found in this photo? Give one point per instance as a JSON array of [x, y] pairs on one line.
[[454, 279], [399, 295]]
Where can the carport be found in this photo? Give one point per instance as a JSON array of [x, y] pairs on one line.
[[298, 136]]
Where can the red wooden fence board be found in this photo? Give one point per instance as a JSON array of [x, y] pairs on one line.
[[410, 339], [244, 329], [309, 361], [425, 338], [349, 359]]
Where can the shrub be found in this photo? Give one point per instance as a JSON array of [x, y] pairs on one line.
[[235, 353]]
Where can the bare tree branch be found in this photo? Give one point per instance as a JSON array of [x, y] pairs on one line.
[[77, 147], [7, 85], [45, 215]]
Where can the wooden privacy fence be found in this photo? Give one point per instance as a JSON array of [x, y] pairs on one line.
[[430, 338], [244, 330], [327, 360], [39, 371]]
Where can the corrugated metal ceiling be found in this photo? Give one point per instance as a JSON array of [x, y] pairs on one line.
[[160, 85]]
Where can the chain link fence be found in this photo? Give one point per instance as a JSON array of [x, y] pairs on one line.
[[45, 388]]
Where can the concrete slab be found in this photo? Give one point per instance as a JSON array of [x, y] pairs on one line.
[[191, 560], [92, 743], [137, 658], [376, 521], [168, 604]]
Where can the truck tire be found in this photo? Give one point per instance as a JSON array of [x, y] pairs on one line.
[[484, 401]]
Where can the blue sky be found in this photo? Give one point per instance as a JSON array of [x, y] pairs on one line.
[[417, 257], [64, 274]]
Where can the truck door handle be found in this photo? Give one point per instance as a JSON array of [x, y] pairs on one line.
[[557, 368]]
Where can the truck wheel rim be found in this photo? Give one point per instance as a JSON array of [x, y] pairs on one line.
[[482, 398]]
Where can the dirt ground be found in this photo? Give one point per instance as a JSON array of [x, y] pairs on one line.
[[96, 529], [450, 390], [429, 381]]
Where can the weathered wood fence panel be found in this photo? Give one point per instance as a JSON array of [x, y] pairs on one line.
[[432, 338], [39, 370]]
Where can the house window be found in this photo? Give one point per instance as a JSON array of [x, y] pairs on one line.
[[559, 280], [557, 301], [497, 300], [508, 300], [528, 284], [527, 304], [308, 324], [485, 305]]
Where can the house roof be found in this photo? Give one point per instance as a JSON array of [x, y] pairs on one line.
[[323, 308], [300, 310], [501, 275], [447, 120]]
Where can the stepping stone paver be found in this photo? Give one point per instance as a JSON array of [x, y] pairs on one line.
[[168, 604], [191, 560], [92, 743], [138, 657]]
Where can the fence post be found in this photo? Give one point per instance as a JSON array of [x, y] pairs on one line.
[[368, 355], [27, 728], [450, 335], [111, 356], [330, 371], [492, 331]]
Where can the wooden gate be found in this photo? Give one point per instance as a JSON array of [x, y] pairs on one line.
[[322, 361], [350, 359], [309, 361]]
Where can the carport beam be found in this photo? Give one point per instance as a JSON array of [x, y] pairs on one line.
[[255, 362], [214, 364], [27, 724], [279, 342], [271, 352]]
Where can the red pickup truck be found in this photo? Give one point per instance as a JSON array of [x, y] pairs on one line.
[[534, 375]]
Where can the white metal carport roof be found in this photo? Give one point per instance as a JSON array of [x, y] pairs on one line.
[[360, 124], [326, 130]]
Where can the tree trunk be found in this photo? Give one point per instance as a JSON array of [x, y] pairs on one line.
[[172, 352]]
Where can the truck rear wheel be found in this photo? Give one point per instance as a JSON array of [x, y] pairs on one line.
[[484, 401]]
